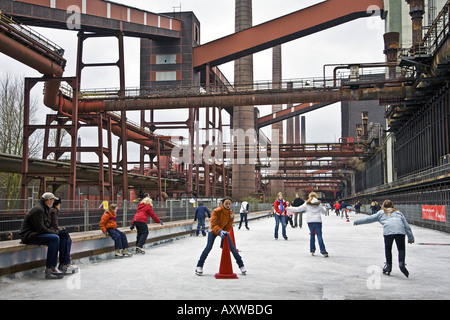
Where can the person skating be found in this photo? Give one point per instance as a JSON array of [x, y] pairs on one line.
[[279, 207], [221, 223], [200, 215], [395, 227], [143, 212], [243, 212], [314, 210], [298, 216]]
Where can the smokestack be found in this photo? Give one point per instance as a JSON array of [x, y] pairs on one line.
[[303, 129], [276, 84], [243, 117], [391, 47], [416, 11], [290, 121]]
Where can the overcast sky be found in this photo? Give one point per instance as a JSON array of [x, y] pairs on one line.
[[353, 42]]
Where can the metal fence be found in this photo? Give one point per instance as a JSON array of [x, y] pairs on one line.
[[85, 215], [414, 214]]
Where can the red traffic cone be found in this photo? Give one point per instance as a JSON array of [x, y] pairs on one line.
[[225, 269], [234, 240], [348, 220]]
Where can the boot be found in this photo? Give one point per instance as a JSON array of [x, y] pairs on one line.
[[118, 254], [403, 269], [387, 269], [126, 253]]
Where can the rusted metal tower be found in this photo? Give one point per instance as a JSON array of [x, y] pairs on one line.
[[243, 117]]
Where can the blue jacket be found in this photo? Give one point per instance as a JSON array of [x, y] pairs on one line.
[[393, 223], [200, 213]]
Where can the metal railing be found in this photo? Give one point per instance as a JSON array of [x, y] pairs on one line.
[[439, 30], [32, 39], [85, 215]]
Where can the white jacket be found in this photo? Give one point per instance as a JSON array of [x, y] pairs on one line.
[[244, 207], [313, 210]]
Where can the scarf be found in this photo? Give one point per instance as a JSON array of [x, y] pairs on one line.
[[281, 205]]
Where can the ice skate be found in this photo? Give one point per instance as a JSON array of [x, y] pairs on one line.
[[126, 253], [199, 271], [325, 254], [68, 268], [403, 269], [53, 273], [243, 270], [118, 253], [387, 269], [140, 250]]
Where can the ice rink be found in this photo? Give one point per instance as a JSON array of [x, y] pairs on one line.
[[277, 269]]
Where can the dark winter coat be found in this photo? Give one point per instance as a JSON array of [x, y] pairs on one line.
[[298, 202], [37, 221], [201, 212]]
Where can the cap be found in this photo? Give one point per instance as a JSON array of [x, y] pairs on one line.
[[49, 195]]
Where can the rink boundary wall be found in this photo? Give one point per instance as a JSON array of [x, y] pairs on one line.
[[94, 245]]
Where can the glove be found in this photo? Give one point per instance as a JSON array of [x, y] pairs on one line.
[[132, 227], [222, 233], [63, 234]]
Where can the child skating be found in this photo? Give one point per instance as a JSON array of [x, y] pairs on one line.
[[221, 223], [144, 211], [395, 227]]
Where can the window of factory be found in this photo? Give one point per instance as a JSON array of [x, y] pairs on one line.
[[196, 33], [166, 59], [166, 76]]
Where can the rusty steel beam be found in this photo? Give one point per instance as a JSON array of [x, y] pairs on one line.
[[233, 99], [281, 30], [94, 16], [290, 113], [40, 167]]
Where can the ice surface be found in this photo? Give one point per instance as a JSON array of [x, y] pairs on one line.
[[277, 269]]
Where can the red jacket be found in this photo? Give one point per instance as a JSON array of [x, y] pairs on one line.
[[143, 212], [276, 206]]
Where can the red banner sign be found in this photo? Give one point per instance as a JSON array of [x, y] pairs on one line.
[[436, 213]]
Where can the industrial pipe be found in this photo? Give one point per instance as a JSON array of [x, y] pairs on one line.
[[256, 98]]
